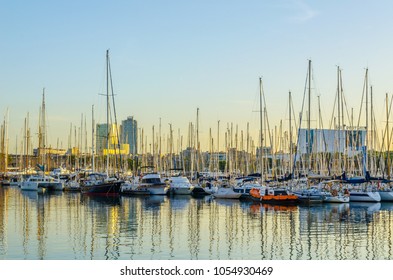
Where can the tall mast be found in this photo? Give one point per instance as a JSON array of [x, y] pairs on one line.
[[107, 113], [197, 142], [261, 127], [290, 131], [218, 146], [339, 118], [309, 117], [154, 151], [367, 138], [92, 138], [388, 140], [43, 126]]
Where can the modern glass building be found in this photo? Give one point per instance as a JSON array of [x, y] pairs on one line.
[[129, 134], [103, 134]]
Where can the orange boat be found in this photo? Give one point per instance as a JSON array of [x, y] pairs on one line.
[[255, 193], [275, 196]]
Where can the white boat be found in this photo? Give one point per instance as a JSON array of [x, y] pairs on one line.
[[41, 183], [334, 192], [386, 192], [129, 188], [244, 186], [386, 195], [358, 194], [336, 198], [310, 195], [149, 184], [72, 186], [226, 192], [180, 185]]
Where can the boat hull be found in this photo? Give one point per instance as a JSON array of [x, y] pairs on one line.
[[181, 190], [36, 186], [365, 197], [386, 195], [280, 199], [158, 190], [199, 191], [309, 197], [107, 188], [336, 199], [227, 193]]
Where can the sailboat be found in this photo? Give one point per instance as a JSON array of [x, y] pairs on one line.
[[41, 182], [309, 192], [98, 183]]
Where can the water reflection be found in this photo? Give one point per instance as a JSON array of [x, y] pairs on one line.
[[73, 226]]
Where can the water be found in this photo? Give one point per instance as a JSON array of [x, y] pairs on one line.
[[69, 226]]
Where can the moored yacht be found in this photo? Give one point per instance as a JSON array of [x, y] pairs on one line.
[[310, 195], [41, 183], [334, 192], [226, 192], [180, 185], [100, 184], [245, 185], [149, 184], [363, 193], [386, 192]]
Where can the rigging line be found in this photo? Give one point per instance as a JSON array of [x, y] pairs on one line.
[[334, 110], [385, 135], [114, 112], [300, 124]]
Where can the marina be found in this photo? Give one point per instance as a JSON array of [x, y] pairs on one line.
[[73, 226], [196, 131]]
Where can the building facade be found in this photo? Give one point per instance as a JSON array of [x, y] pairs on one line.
[[111, 134], [129, 134], [347, 141]]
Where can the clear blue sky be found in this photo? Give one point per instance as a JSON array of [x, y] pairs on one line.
[[170, 57]]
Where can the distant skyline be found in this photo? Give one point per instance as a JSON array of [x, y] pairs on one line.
[[169, 58]]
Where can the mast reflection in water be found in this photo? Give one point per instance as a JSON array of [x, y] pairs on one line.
[[68, 226]]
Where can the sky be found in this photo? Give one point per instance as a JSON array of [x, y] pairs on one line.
[[169, 58]]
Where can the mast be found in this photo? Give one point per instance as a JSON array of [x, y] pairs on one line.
[[367, 138], [197, 142], [338, 118], [154, 151], [309, 117], [388, 140], [261, 127], [42, 130], [92, 138], [218, 146], [290, 132], [107, 113]]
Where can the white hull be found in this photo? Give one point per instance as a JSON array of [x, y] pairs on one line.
[[226, 193], [41, 184], [210, 190], [386, 195], [336, 199], [181, 190], [180, 185], [364, 196], [29, 186], [158, 190]]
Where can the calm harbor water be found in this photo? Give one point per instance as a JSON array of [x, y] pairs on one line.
[[69, 226]]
